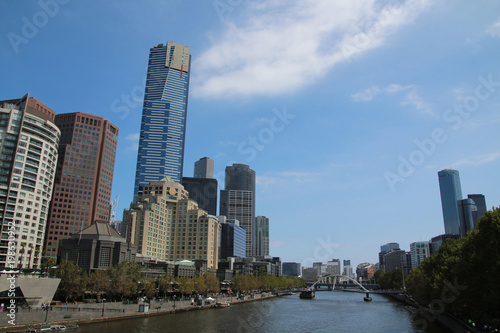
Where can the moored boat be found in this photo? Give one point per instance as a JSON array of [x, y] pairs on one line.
[[307, 294]]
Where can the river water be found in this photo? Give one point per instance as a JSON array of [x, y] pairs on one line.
[[328, 312]]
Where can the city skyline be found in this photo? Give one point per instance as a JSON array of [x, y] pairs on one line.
[[343, 110]]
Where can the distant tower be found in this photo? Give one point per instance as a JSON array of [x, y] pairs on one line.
[[451, 192], [480, 203], [262, 236], [204, 168], [237, 200], [202, 187], [466, 212], [163, 124]]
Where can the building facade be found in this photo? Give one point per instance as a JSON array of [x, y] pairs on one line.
[[384, 249], [418, 252], [84, 176], [163, 124], [451, 192], [97, 247], [466, 211], [348, 271], [237, 200], [261, 236], [480, 203], [232, 239], [203, 191], [333, 267], [29, 141], [291, 269], [164, 223], [204, 168]]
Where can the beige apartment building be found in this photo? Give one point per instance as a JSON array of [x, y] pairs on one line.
[[165, 223]]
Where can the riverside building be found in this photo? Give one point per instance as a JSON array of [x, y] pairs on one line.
[[84, 176], [29, 141], [164, 223]]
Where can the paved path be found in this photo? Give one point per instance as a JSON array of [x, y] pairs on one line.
[[74, 312]]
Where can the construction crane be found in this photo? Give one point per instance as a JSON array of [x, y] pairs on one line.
[[114, 205]]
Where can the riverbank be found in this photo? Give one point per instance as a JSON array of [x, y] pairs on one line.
[[423, 315], [80, 314]]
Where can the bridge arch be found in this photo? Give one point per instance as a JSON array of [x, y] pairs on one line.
[[338, 275]]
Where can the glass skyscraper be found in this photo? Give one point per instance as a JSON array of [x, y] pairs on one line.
[[163, 124], [237, 200], [451, 192]]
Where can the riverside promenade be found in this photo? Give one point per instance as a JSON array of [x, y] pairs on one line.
[[96, 312]]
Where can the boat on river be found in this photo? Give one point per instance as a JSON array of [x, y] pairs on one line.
[[307, 294]]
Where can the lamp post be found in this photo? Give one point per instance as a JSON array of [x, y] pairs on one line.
[[175, 297], [103, 306], [46, 308]]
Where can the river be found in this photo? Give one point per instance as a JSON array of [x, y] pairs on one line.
[[329, 312]]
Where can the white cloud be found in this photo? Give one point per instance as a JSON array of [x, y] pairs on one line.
[[285, 45], [477, 160], [132, 137], [411, 96], [494, 29], [366, 95]]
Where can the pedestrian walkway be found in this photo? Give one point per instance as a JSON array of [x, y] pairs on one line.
[[109, 310]]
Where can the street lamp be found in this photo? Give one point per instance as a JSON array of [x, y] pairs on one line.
[[175, 297], [103, 306]]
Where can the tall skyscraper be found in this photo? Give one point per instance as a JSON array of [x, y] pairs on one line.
[[204, 168], [202, 187], [163, 124], [29, 141], [451, 192], [237, 200], [84, 176], [262, 236]]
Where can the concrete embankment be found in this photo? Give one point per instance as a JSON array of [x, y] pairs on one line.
[[81, 314]]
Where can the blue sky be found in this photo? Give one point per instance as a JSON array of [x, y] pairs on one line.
[[345, 110]]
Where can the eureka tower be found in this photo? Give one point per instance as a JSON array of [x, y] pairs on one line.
[[163, 124]]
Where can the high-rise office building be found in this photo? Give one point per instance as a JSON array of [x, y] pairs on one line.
[[418, 252], [204, 168], [480, 203], [333, 267], [466, 211], [237, 200], [232, 238], [29, 141], [290, 269], [261, 236], [451, 192], [348, 271], [164, 223], [202, 187], [163, 124], [84, 176], [384, 249]]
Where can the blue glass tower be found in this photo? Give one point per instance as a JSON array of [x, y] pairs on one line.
[[451, 192], [163, 124]]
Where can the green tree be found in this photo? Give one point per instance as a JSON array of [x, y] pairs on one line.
[[212, 282], [99, 281], [463, 275], [186, 285], [165, 283], [149, 287], [125, 278], [73, 281]]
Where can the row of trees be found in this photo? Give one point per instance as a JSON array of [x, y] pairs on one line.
[[265, 282], [127, 280], [464, 277]]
